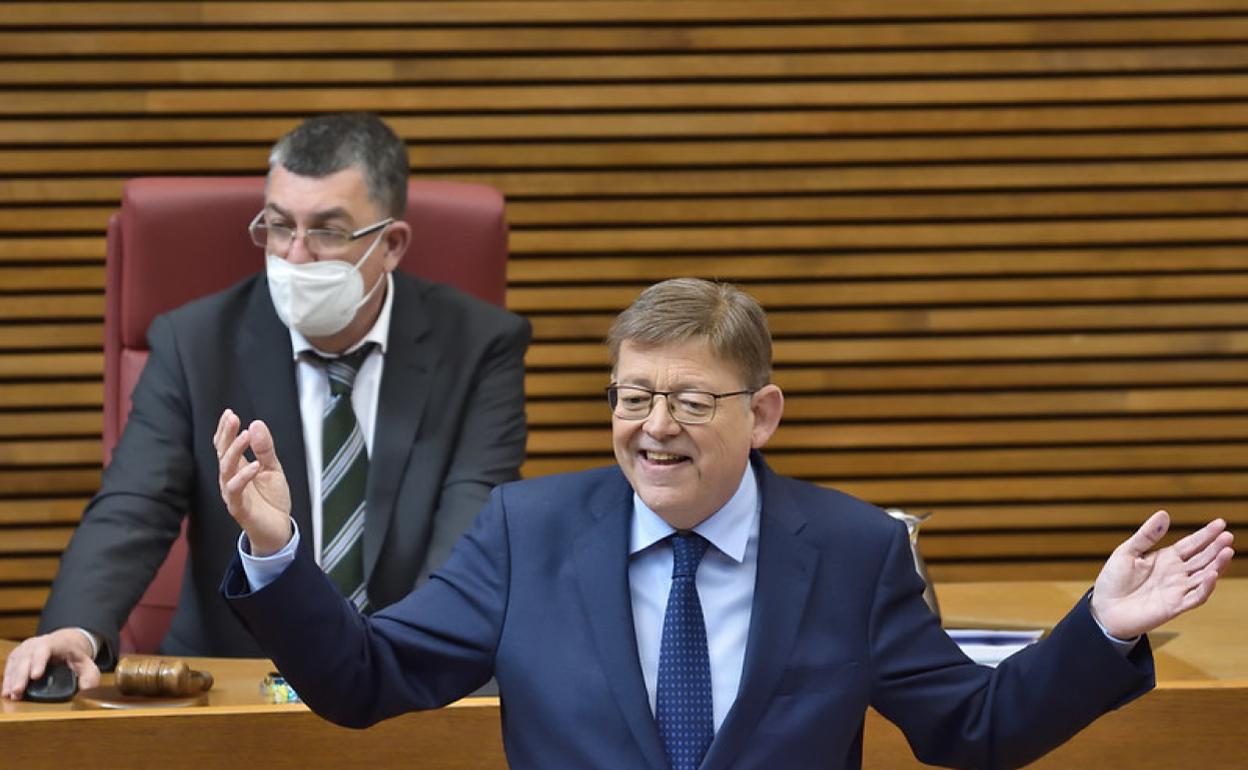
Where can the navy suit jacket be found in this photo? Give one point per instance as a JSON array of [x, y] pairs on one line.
[[450, 426], [537, 595]]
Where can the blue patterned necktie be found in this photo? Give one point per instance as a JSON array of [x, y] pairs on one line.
[[683, 696], [344, 479]]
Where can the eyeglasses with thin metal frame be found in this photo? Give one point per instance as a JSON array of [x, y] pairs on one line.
[[687, 407], [321, 241]]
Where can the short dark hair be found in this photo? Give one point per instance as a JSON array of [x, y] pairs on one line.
[[682, 309], [327, 144]]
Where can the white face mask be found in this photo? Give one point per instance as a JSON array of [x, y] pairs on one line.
[[318, 299]]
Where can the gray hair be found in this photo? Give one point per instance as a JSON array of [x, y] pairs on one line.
[[327, 144], [681, 309]]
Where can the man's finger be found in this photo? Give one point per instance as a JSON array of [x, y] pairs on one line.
[[88, 673], [239, 481], [1198, 540], [262, 445], [14, 675], [18, 670], [1201, 590], [1149, 534], [231, 459], [227, 427], [1206, 555], [38, 660]]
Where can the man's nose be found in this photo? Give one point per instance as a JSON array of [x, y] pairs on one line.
[[660, 421], [298, 252]]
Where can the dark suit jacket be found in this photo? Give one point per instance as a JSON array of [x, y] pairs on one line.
[[449, 427], [537, 594]]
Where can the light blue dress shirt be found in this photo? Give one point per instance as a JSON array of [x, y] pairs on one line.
[[262, 570], [725, 581]]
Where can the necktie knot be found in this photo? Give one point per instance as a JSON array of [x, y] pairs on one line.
[[343, 369], [688, 548]]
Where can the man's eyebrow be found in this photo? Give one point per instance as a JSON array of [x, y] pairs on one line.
[[276, 209], [318, 217], [638, 382]]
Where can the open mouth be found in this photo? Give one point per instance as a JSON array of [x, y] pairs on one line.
[[662, 458]]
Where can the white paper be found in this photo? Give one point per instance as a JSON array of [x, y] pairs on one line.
[[991, 646]]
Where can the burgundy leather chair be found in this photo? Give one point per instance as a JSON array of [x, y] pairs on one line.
[[175, 239]]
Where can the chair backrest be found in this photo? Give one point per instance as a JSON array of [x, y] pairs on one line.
[[179, 238]]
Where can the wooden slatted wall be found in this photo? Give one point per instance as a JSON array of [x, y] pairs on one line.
[[1002, 244]]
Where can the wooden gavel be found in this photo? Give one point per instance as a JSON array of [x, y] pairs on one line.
[[157, 676]]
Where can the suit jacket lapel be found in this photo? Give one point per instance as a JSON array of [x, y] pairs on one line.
[[267, 368], [407, 377], [786, 571], [601, 556]]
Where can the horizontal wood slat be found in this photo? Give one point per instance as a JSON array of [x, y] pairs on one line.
[[1002, 246], [23, 540], [1032, 569], [40, 569], [23, 599], [415, 33], [965, 405], [51, 394], [513, 13], [855, 435], [849, 322], [935, 377], [49, 452], [682, 154], [19, 625], [41, 307], [606, 96], [60, 335], [1014, 348], [988, 263], [50, 364], [56, 510], [936, 178], [959, 119], [964, 461], [914, 292], [44, 422], [429, 70]]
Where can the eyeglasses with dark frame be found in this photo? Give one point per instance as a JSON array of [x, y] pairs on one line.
[[321, 241], [687, 407]]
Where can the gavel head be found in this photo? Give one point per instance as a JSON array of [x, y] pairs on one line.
[[158, 676]]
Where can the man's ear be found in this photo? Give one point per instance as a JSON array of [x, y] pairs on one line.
[[396, 240], [767, 406]]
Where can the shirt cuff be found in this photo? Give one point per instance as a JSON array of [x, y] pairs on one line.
[[92, 639], [262, 570], [1123, 646]]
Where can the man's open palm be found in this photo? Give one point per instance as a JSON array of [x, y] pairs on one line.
[[1140, 588]]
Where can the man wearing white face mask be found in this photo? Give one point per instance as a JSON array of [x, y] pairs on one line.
[[401, 403]]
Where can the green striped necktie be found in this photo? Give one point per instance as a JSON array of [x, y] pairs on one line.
[[344, 478]]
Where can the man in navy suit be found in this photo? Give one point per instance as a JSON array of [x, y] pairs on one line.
[[690, 608]]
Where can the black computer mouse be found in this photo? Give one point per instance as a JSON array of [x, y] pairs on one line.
[[58, 683]]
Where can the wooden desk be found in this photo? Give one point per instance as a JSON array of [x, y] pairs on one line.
[[1198, 710], [237, 730]]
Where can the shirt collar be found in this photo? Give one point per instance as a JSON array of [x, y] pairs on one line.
[[728, 529], [378, 334]]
